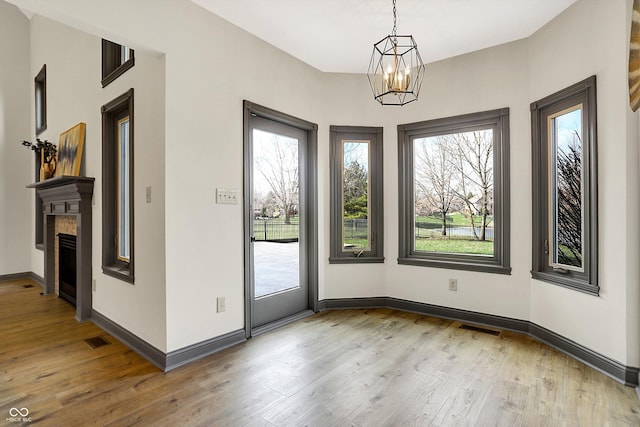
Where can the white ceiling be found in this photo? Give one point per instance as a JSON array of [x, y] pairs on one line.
[[338, 35]]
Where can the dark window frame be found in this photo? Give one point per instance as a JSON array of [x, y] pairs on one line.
[[499, 263], [112, 67], [112, 112], [40, 87], [376, 209], [39, 213], [584, 93]]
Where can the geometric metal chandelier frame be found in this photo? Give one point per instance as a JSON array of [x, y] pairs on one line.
[[396, 69]]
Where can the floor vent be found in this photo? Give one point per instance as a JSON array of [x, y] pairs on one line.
[[96, 342], [478, 329], [27, 286]]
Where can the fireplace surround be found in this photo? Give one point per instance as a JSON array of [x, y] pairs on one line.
[[68, 195]]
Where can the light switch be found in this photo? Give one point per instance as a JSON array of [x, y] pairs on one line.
[[227, 197], [149, 194]]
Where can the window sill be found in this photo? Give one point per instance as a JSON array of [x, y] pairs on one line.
[[566, 282], [356, 260], [118, 272], [456, 265], [118, 72]]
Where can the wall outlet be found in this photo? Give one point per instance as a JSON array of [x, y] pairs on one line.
[[148, 194], [226, 197], [93, 284], [453, 284], [220, 304]]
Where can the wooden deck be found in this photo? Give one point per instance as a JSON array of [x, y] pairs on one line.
[[375, 367]]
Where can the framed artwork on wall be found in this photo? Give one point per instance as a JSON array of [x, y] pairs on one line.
[[70, 147]]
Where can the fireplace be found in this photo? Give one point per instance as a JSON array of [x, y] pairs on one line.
[[67, 272], [68, 196]]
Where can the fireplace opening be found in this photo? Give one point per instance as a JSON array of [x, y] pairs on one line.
[[67, 267]]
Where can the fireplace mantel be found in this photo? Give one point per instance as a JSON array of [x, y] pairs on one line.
[[69, 195]]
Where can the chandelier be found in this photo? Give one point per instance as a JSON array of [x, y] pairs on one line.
[[396, 69]]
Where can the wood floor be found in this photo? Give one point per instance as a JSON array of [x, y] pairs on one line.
[[338, 368]]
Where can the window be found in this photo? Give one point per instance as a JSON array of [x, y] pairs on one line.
[[116, 59], [41, 100], [356, 195], [39, 206], [565, 188], [124, 200], [117, 187], [454, 192]]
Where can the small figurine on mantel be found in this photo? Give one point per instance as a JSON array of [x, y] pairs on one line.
[[48, 160]]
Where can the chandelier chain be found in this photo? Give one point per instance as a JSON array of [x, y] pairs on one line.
[[394, 19]]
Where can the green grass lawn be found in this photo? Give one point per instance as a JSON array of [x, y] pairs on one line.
[[455, 246]]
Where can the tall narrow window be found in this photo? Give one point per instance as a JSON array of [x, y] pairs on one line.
[[117, 188], [564, 187], [40, 83], [356, 199], [116, 59], [124, 206], [454, 192]]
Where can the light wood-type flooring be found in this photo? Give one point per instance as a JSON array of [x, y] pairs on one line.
[[375, 367]]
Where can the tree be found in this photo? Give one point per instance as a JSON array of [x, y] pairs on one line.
[[569, 202], [435, 178], [473, 154], [277, 162], [355, 188]]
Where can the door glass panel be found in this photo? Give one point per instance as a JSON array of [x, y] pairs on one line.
[[276, 213], [566, 204], [356, 234]]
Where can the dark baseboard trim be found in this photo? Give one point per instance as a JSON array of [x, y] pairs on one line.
[[481, 319], [202, 349], [132, 341], [38, 279], [627, 375], [174, 359], [24, 275]]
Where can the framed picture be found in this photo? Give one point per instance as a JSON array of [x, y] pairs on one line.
[[70, 148]]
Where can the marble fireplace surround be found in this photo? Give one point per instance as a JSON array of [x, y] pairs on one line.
[[69, 196]]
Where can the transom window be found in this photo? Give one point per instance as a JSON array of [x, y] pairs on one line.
[[116, 59], [454, 192]]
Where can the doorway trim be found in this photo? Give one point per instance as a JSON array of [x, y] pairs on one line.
[[250, 110]]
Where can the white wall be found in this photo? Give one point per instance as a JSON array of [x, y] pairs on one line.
[[74, 94], [488, 79], [16, 163], [211, 66], [591, 37]]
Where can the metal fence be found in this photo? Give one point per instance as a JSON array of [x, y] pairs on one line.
[[356, 229], [270, 231], [425, 230]]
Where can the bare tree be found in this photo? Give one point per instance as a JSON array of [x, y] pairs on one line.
[[569, 201], [277, 162], [435, 176], [473, 154]]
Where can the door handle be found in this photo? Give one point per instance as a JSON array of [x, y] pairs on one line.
[[253, 239]]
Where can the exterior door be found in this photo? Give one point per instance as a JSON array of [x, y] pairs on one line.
[[278, 222]]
